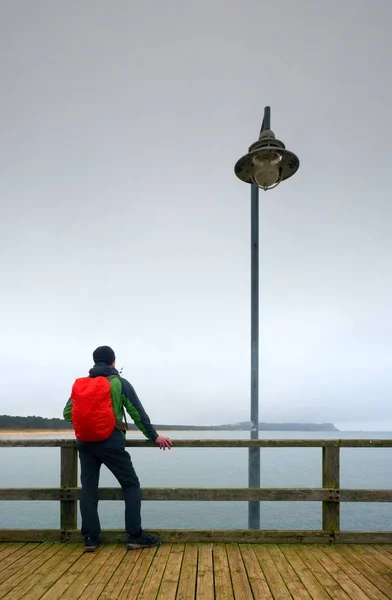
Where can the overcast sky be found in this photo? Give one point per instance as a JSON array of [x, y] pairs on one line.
[[122, 221]]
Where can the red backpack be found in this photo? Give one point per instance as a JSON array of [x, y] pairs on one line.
[[92, 409]]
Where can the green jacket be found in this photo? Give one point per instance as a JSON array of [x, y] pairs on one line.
[[123, 397]]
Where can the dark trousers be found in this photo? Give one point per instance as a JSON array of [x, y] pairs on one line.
[[113, 455]]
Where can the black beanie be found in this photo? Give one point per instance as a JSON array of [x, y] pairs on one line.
[[104, 354]]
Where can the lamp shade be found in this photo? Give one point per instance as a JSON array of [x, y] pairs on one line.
[[267, 163]]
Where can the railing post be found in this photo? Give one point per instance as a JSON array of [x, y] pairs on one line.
[[68, 478], [331, 481]]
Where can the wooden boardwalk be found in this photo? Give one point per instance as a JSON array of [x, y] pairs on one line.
[[50, 571]]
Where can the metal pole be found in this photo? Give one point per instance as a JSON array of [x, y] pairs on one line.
[[266, 124], [254, 453]]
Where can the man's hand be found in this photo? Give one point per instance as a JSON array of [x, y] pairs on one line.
[[163, 442]]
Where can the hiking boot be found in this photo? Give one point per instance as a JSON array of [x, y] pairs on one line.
[[142, 541], [91, 544]]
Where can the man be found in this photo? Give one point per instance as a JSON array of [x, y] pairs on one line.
[[111, 450]]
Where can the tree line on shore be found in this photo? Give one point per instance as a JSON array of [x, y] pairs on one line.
[[32, 422], [15, 423]]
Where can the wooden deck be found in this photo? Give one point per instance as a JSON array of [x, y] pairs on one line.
[[50, 571]]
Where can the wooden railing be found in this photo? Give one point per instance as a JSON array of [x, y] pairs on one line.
[[330, 494]]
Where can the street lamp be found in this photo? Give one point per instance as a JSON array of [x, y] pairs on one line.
[[267, 164]]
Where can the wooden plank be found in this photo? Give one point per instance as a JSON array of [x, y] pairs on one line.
[[37, 443], [71, 494], [124, 571], [115, 536], [152, 582], [12, 557], [230, 494], [44, 574], [239, 575], [345, 582], [305, 574], [383, 550], [289, 576], [361, 577], [205, 577], [363, 537], [30, 535], [273, 577], [18, 559], [365, 495], [329, 496], [321, 574], [222, 578], [106, 572], [266, 443], [358, 554], [211, 443], [187, 582], [7, 548], [224, 536], [386, 550], [15, 575], [68, 479], [371, 551], [374, 571], [242, 536], [331, 480], [379, 574], [139, 573], [67, 578], [169, 584], [81, 584], [258, 582], [11, 494]]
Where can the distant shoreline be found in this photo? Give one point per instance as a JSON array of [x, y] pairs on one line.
[[263, 427], [44, 432], [49, 425]]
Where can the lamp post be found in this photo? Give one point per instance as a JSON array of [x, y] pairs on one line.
[[267, 163]]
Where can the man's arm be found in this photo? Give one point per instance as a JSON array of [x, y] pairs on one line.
[[67, 412], [136, 411]]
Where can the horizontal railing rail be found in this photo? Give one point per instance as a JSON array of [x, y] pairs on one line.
[[212, 443], [330, 494], [208, 494]]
